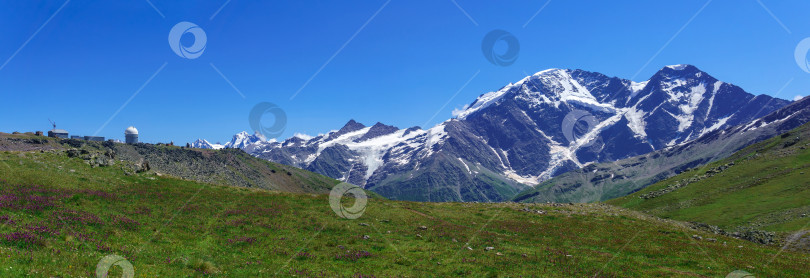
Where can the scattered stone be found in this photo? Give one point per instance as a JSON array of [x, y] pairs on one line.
[[711, 239], [469, 248], [366, 237], [757, 236], [454, 240], [697, 237], [143, 167], [685, 182], [534, 211], [418, 235], [422, 227], [524, 255], [363, 224], [388, 232], [489, 248], [499, 254]]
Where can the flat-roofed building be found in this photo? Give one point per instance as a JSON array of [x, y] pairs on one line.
[[94, 138], [58, 133]]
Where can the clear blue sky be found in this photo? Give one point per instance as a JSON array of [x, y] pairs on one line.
[[400, 69]]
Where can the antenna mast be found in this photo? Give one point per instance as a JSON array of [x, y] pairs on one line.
[[52, 123]]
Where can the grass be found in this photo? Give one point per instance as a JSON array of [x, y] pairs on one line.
[[60, 217], [767, 188]]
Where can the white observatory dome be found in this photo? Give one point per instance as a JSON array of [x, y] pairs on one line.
[[131, 130]]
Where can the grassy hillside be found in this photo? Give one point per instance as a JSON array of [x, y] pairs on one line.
[[765, 186], [60, 216], [226, 167]]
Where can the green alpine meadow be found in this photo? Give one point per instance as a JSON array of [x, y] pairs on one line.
[[62, 215]]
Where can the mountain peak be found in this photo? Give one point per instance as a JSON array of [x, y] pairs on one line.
[[243, 139], [380, 125], [204, 144], [681, 71], [350, 126], [377, 130], [549, 71], [679, 66]]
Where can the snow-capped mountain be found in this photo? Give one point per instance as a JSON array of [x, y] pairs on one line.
[[516, 137], [242, 140], [204, 144]]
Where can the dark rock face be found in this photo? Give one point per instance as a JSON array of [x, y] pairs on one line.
[[377, 130], [547, 124], [348, 127]]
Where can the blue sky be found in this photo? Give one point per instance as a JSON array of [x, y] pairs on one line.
[[396, 62]]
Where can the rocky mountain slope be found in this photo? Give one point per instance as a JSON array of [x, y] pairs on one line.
[[609, 180], [525, 133], [231, 167]]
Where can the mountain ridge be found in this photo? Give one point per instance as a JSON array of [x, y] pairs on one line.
[[524, 134]]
